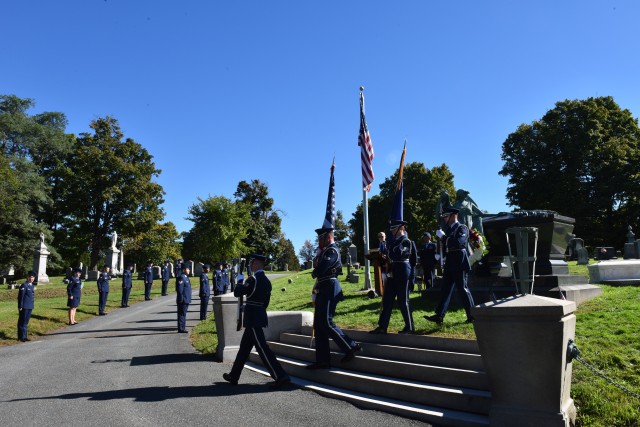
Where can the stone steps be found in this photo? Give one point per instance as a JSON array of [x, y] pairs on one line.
[[436, 380]]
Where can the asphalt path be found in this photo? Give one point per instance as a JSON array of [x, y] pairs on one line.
[[132, 368]]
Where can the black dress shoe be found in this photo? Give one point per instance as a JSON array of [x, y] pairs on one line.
[[407, 332], [435, 318], [469, 320], [280, 383], [352, 353], [182, 332], [228, 378], [318, 365], [378, 331]]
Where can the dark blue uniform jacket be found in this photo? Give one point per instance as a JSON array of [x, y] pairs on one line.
[[126, 279], [183, 289], [26, 296], [204, 286], [257, 290], [455, 243], [103, 282]]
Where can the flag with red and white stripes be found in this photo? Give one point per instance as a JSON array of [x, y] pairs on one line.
[[366, 149]]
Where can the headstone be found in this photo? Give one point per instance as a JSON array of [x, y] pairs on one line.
[[191, 266], [121, 261], [636, 246], [308, 265], [197, 269], [583, 256], [85, 272], [157, 271], [113, 254], [41, 253], [92, 275], [604, 253], [286, 267], [353, 253]]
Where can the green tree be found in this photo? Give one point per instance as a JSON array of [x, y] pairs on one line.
[[157, 244], [109, 186], [422, 188], [219, 229], [32, 148], [265, 227], [287, 254], [580, 160]]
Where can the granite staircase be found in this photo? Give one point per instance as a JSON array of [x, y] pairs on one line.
[[437, 380]]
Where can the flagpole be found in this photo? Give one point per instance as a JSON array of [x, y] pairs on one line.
[[365, 209]]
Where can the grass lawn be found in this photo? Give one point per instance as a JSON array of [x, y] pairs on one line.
[[607, 332]]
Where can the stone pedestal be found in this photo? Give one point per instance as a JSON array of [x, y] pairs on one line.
[[523, 341], [40, 256], [112, 260]]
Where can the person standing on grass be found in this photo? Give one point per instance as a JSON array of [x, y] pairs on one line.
[[205, 291], [74, 290], [166, 275], [26, 298]]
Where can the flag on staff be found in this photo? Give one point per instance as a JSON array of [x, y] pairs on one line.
[[330, 215], [398, 201], [366, 149]]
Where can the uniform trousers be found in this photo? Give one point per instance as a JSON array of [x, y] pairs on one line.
[[455, 279], [204, 307], [182, 316], [165, 285], [102, 301], [323, 324], [125, 296], [147, 291], [398, 287], [23, 322], [254, 337]]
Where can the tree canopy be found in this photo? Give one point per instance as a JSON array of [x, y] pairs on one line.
[[580, 159], [422, 188]]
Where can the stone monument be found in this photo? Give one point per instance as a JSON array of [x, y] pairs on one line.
[[112, 255], [41, 253]]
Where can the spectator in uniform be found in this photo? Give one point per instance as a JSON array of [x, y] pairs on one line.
[[127, 283], [183, 298], [26, 299], [103, 290], [74, 291]]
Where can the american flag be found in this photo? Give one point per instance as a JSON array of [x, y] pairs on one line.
[[366, 149], [330, 215]]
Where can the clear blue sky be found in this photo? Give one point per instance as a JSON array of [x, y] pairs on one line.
[[224, 91]]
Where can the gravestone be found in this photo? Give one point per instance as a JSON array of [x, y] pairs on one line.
[[191, 267], [629, 247], [112, 255], [157, 272], [583, 256], [85, 272], [604, 253], [41, 253], [198, 269]]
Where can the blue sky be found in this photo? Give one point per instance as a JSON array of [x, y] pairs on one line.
[[220, 92]]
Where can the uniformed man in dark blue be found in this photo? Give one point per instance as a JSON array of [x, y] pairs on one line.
[[399, 249], [148, 280], [456, 266], [328, 293], [257, 289], [127, 283], [103, 290], [183, 297], [205, 291], [224, 272], [218, 286], [26, 298], [427, 253], [177, 269], [166, 276]]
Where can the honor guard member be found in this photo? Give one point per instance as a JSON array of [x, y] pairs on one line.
[[26, 297], [127, 283], [328, 293], [183, 297], [257, 289], [225, 278], [397, 285], [103, 290], [166, 275], [205, 291], [428, 260], [74, 291], [148, 280], [456, 265], [217, 280]]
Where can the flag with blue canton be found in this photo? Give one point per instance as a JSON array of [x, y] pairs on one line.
[[330, 215]]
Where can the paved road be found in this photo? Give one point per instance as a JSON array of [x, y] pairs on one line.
[[131, 368]]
